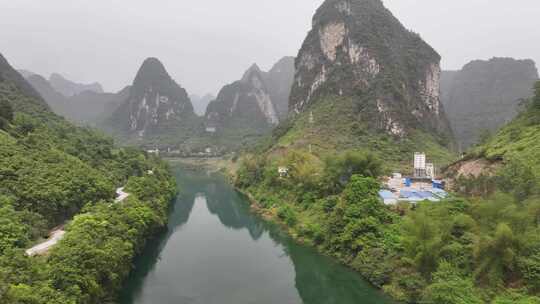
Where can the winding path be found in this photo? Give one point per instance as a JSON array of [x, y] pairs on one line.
[[58, 234], [121, 195], [44, 247]]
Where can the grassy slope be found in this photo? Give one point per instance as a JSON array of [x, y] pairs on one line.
[[337, 128], [518, 140]]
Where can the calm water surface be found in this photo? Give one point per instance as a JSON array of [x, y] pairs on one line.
[[216, 252]]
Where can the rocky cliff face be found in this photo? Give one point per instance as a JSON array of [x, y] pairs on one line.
[[69, 88], [358, 49], [279, 81], [245, 104], [485, 95], [156, 104]]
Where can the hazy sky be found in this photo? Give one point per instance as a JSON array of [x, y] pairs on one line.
[[205, 44]]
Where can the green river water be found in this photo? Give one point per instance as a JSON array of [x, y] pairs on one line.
[[215, 251]]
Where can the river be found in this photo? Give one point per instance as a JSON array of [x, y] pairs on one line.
[[215, 251]]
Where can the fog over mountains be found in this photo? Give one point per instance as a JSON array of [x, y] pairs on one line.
[[213, 43]]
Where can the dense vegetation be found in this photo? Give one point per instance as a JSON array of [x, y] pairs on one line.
[[320, 129], [481, 248], [53, 173]]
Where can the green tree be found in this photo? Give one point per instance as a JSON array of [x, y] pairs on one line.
[[496, 255], [518, 178], [536, 98], [6, 113], [484, 136], [339, 169], [515, 298], [450, 287], [422, 241]]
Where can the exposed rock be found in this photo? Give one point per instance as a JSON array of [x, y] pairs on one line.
[[357, 48], [485, 95], [331, 37], [472, 168], [156, 106], [279, 81], [243, 104], [256, 103]]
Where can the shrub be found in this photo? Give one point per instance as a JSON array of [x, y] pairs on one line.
[[450, 287], [287, 214], [536, 98], [339, 169]]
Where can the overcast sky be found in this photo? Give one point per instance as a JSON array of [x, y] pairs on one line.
[[205, 44]]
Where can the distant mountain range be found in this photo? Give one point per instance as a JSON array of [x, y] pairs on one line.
[[485, 95], [69, 88], [157, 112], [347, 88], [201, 102], [80, 103]]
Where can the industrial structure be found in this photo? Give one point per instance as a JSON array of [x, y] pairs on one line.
[[421, 186], [423, 169]]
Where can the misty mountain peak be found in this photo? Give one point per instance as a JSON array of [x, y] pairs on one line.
[[253, 71], [359, 46], [70, 88], [156, 103], [284, 65], [151, 71]]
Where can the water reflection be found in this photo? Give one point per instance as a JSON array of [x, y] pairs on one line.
[[201, 260]]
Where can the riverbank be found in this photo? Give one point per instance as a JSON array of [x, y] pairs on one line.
[[423, 253], [211, 164], [217, 250], [271, 212]]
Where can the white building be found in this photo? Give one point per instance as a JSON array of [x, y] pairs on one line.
[[211, 129], [430, 170], [419, 165], [154, 151]]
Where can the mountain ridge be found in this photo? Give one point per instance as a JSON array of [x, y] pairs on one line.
[[485, 95], [70, 88]]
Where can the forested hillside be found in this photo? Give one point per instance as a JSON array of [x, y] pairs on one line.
[[53, 173], [480, 246]]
